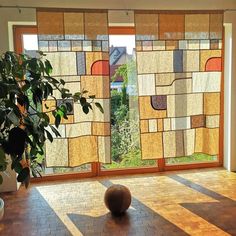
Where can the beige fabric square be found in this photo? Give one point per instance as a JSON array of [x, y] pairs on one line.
[[151, 145], [207, 141], [197, 26], [173, 144], [184, 105], [189, 142], [155, 62], [82, 150], [63, 63], [95, 114], [167, 124], [213, 121], [146, 84], [152, 125], [104, 152], [78, 129], [57, 153], [191, 60]]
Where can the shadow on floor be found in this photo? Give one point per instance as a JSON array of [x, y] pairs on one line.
[[221, 214], [139, 220]]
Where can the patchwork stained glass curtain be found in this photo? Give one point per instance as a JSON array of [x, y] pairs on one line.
[[76, 44], [179, 65]]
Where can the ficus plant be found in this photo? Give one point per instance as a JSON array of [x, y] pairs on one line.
[[25, 82]]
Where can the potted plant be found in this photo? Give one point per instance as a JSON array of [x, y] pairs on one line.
[[24, 83]]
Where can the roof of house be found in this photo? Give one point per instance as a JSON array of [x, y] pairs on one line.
[[116, 53]]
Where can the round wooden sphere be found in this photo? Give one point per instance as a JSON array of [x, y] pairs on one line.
[[117, 199]]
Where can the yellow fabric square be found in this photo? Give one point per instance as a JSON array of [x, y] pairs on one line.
[[211, 103], [146, 110], [82, 150], [151, 145], [207, 141]]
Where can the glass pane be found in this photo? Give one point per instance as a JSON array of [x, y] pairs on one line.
[[125, 134], [30, 44]]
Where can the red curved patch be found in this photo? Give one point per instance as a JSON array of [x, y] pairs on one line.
[[100, 67], [214, 64]]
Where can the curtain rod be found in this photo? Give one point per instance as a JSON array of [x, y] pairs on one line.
[[120, 9]]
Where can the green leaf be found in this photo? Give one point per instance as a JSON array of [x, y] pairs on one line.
[[98, 105], [85, 109], [48, 67], [23, 174], [92, 96], [69, 106], [55, 131], [62, 81], [57, 120], [49, 136], [83, 101]]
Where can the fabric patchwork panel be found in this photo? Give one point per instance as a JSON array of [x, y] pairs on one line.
[[151, 144]]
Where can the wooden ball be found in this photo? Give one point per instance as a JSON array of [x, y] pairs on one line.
[[117, 199]]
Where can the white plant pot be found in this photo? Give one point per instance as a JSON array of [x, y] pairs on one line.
[[1, 208]]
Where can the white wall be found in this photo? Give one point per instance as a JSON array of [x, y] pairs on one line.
[[128, 4]]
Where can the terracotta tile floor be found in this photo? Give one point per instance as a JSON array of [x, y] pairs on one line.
[[199, 202]]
